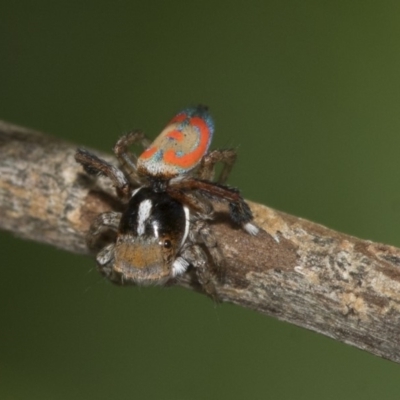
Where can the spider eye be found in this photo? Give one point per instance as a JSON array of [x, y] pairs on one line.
[[167, 244]]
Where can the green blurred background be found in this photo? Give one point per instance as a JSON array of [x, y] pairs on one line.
[[308, 91]]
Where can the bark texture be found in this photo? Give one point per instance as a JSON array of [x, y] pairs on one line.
[[295, 270]]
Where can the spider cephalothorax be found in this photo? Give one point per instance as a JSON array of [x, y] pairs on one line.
[[167, 193]]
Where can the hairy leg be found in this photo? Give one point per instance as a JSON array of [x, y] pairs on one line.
[[196, 256], [207, 166], [239, 210], [103, 223], [105, 264], [94, 165], [126, 158]]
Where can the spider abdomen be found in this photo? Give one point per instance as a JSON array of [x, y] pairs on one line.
[[180, 146]]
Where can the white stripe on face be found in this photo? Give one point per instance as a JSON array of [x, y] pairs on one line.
[[144, 213]]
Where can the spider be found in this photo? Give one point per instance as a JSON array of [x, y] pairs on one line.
[[167, 193]]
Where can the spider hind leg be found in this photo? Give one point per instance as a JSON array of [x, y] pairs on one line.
[[125, 157], [207, 167]]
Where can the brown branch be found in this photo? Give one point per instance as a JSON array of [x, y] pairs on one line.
[[298, 271]]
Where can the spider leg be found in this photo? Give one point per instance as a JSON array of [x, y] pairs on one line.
[[196, 256], [103, 222], [207, 167], [239, 210], [201, 233], [202, 206], [126, 158], [94, 165], [105, 263]]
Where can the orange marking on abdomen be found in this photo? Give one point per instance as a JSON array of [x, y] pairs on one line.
[[148, 152], [189, 160]]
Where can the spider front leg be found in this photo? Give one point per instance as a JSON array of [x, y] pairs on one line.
[[201, 233], [195, 255], [105, 257], [104, 222], [94, 165], [105, 264], [207, 167], [108, 221], [126, 158]]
